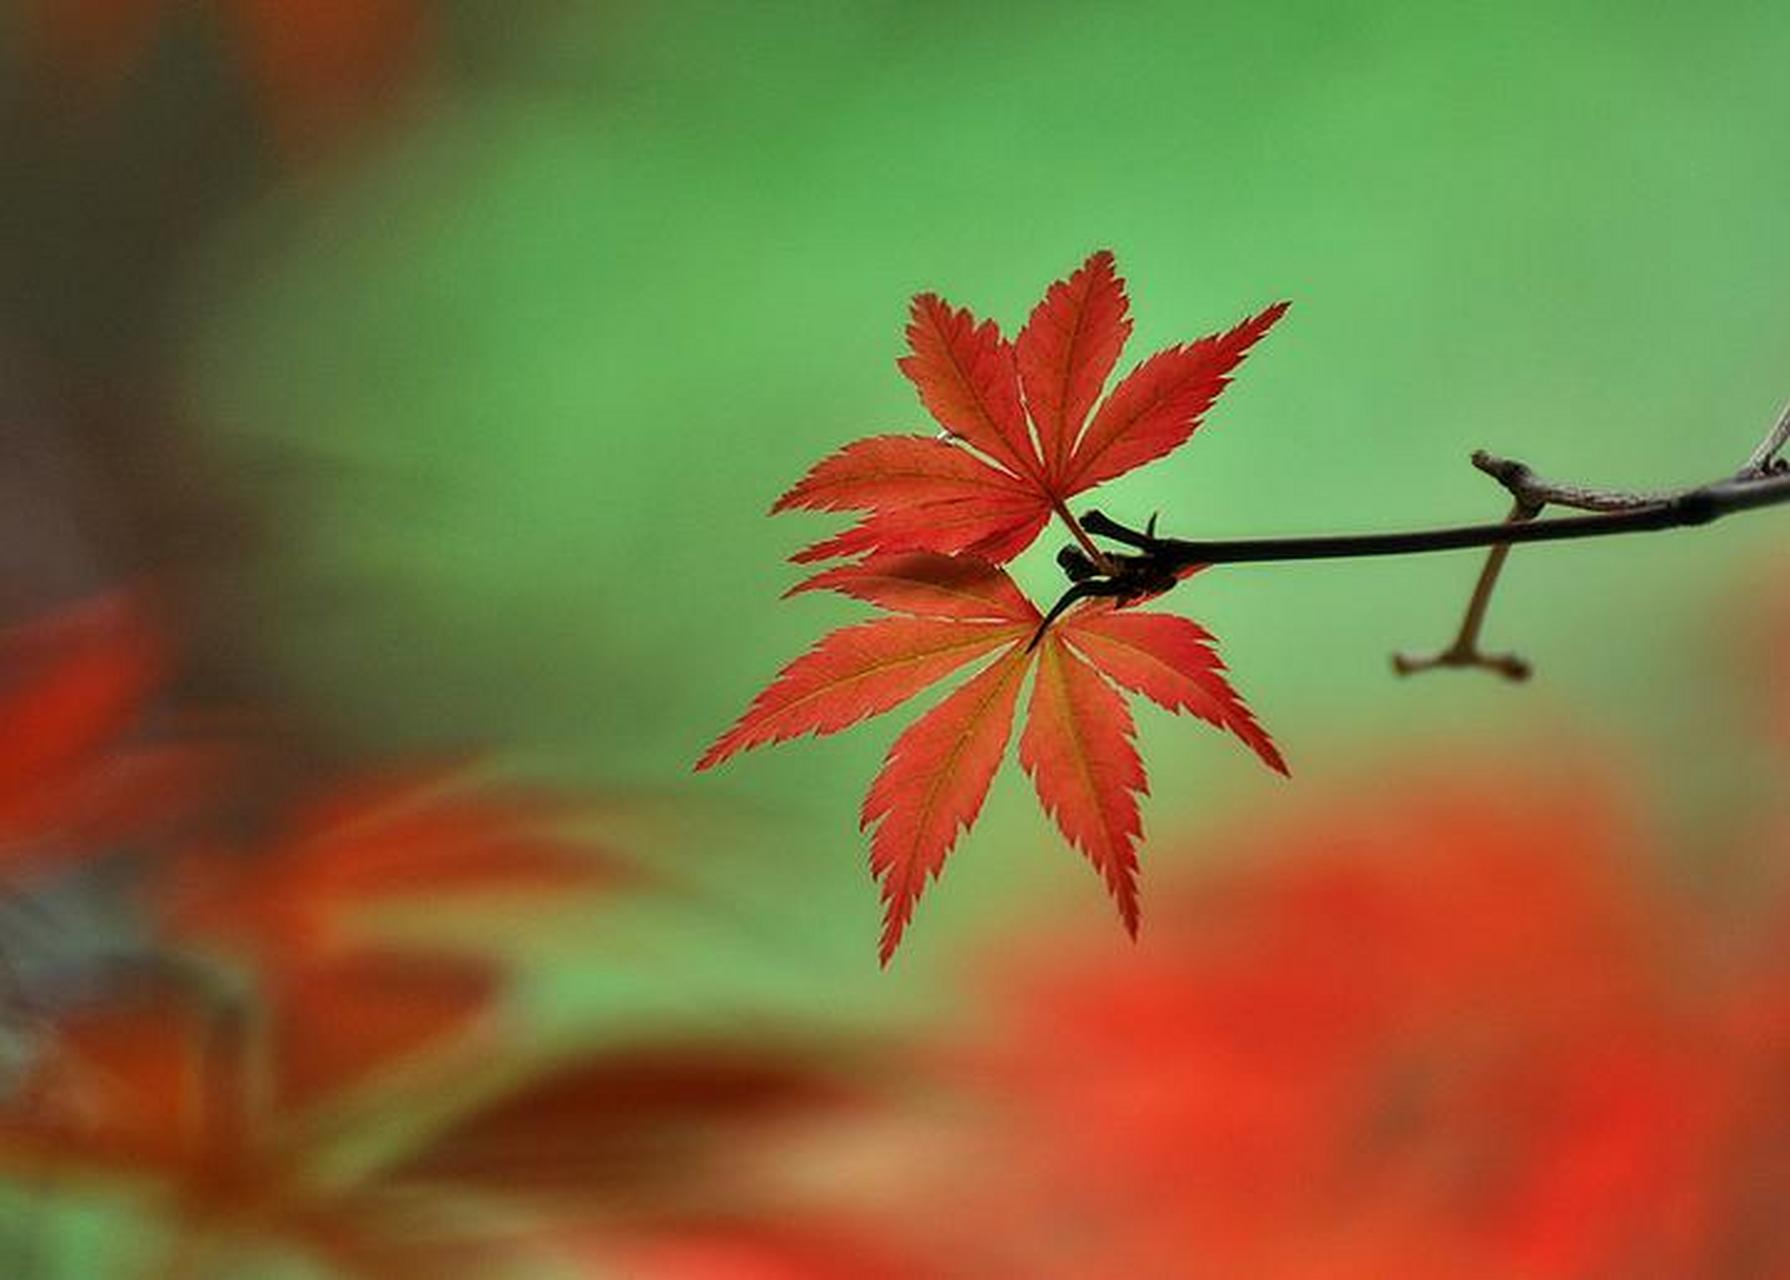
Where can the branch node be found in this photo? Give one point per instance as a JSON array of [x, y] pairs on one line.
[[1510, 473], [1511, 666], [1103, 525], [1076, 565]]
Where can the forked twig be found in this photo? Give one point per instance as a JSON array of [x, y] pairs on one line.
[[1532, 495]]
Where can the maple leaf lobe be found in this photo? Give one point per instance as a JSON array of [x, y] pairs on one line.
[[965, 374], [1157, 407], [1170, 660], [1078, 747], [854, 673], [1067, 350], [932, 785]]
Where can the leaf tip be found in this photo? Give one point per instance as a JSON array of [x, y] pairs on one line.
[[1267, 752], [726, 747], [896, 915], [811, 583]]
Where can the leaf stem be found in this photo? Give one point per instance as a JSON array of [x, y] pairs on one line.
[[1093, 552]]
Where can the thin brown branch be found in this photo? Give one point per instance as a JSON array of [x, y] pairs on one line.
[[1767, 459], [1464, 651], [1155, 564], [1532, 495]]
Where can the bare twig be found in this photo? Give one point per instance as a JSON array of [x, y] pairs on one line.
[[1156, 563], [1465, 650], [1532, 495], [1766, 459]]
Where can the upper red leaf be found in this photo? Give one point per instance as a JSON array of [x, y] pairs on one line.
[[965, 376], [857, 672], [932, 786], [1169, 660], [1159, 403], [1022, 409], [1077, 746], [1067, 351]]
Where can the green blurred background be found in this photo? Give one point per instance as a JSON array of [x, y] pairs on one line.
[[506, 381]]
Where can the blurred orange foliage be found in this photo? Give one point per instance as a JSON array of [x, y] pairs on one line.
[[1456, 1022], [1446, 1026], [319, 65], [75, 772], [308, 1058]]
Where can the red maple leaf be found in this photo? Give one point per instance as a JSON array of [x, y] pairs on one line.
[[312, 911], [1077, 744], [74, 689], [1022, 409]]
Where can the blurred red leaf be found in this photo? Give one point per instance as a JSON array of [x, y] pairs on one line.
[[340, 1021], [622, 1126], [126, 1084], [243, 1093], [204, 1088], [216, 1100], [319, 64], [785, 1248], [69, 685], [408, 840], [304, 911], [1449, 1031], [74, 778]]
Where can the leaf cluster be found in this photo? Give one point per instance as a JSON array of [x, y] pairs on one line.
[[1023, 429]]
